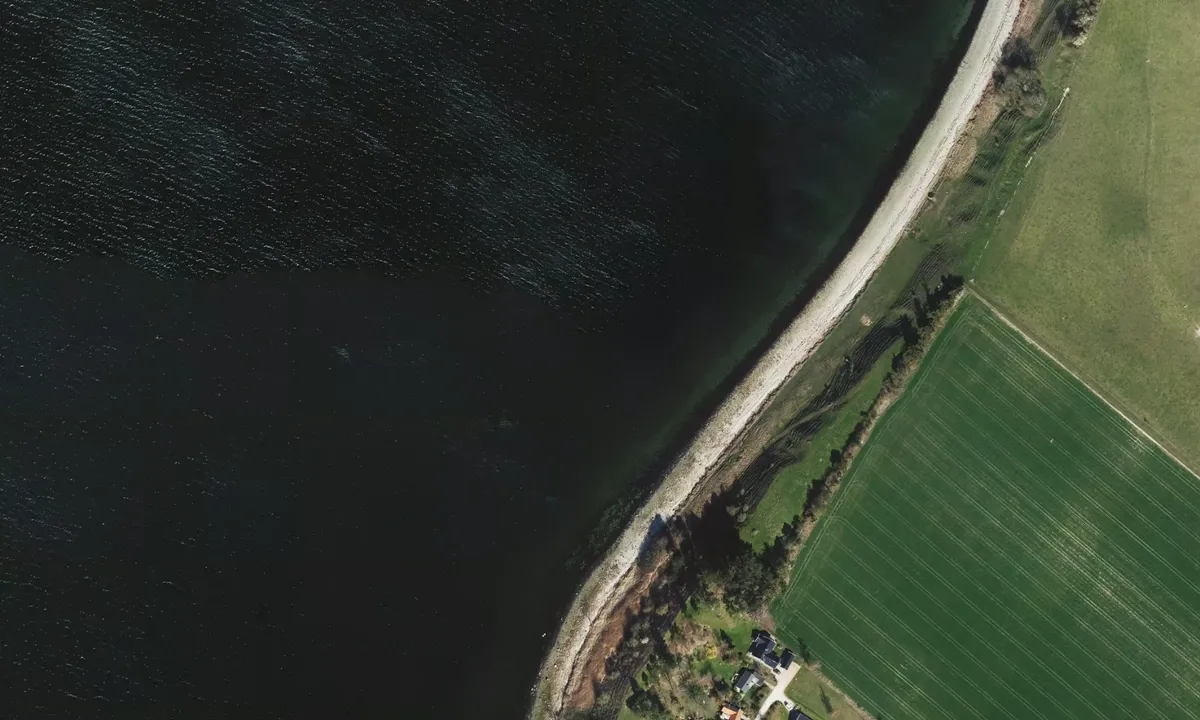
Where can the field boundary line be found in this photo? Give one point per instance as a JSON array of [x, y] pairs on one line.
[[1145, 433]]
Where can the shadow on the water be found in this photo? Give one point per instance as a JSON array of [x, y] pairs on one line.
[[700, 544]]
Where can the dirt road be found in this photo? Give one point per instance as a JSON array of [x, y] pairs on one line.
[[789, 352]]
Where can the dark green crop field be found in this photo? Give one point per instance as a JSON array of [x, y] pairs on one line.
[[1006, 545]]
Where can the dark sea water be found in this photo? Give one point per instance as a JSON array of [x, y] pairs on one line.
[[336, 338]]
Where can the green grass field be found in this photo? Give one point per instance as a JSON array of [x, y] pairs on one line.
[[786, 497], [817, 699], [1006, 545], [950, 236], [1097, 258]]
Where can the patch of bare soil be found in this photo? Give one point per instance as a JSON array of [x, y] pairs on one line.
[[1027, 17], [961, 157], [981, 121], [604, 638], [688, 636], [763, 617]]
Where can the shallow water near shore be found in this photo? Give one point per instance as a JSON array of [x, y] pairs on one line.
[[330, 337]]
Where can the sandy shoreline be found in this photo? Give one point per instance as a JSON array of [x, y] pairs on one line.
[[794, 346]]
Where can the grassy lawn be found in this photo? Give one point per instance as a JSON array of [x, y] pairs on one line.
[[785, 498], [817, 699], [1005, 545], [1100, 264], [777, 712], [737, 627]]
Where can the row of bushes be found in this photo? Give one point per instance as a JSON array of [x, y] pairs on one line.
[[1076, 18], [1018, 80], [917, 331]]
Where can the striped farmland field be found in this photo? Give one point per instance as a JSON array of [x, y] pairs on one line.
[[1006, 545]]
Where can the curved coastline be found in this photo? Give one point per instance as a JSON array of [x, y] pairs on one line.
[[785, 357]]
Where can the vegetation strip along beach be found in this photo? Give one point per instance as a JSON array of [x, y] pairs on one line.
[[794, 346]]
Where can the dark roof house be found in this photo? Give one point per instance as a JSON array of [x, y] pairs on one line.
[[785, 660], [797, 715], [762, 644], [771, 660], [746, 680]]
